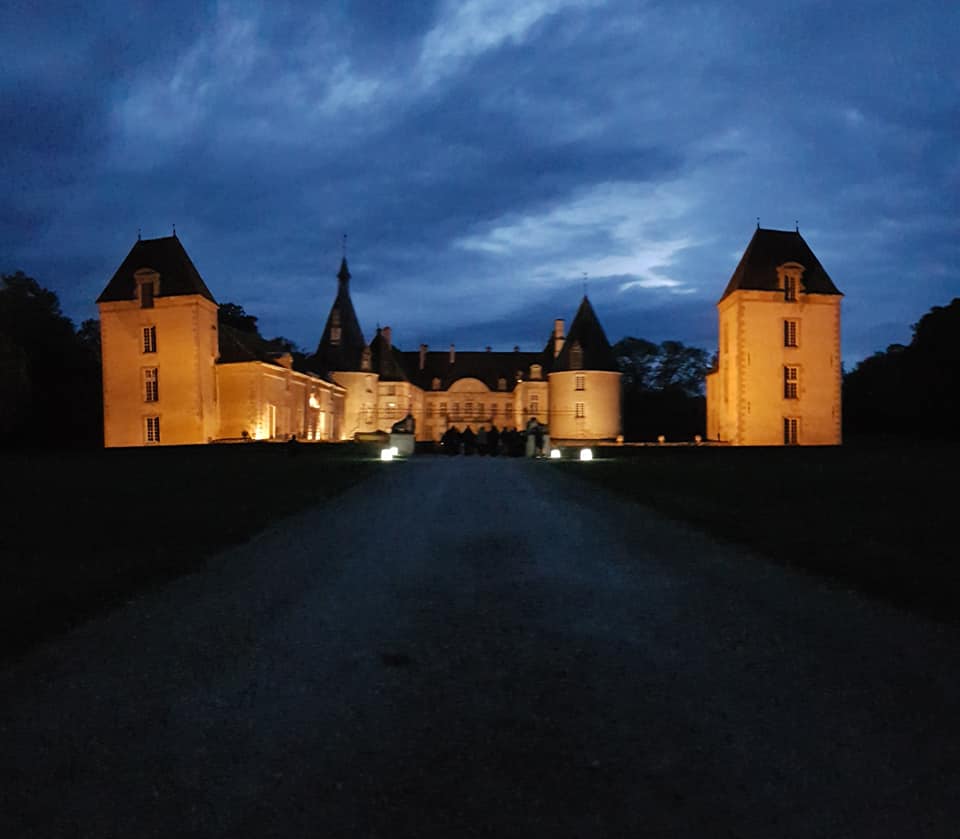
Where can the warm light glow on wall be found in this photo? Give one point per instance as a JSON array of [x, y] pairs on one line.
[[314, 402]]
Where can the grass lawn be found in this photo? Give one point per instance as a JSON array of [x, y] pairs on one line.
[[878, 517], [83, 531]]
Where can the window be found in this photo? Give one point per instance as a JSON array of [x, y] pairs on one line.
[[535, 371], [790, 333], [789, 287], [468, 410], [501, 383], [791, 379], [534, 404], [790, 426], [509, 409], [435, 384], [368, 413], [429, 409], [335, 328], [391, 390], [493, 410], [580, 412], [391, 409], [480, 410], [149, 339], [456, 410], [442, 409], [151, 385], [146, 294], [151, 431], [576, 356], [581, 383], [365, 360]]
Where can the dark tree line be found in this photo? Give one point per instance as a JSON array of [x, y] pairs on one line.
[[49, 371], [663, 389], [909, 389]]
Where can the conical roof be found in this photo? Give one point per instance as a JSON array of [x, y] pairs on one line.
[[386, 360], [586, 335], [757, 270], [342, 343], [166, 256]]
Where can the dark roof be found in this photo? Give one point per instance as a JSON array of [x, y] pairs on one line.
[[757, 270], [488, 367], [386, 359], [347, 354], [588, 333], [238, 345], [166, 256]]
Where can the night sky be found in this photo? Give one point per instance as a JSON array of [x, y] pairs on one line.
[[483, 155]]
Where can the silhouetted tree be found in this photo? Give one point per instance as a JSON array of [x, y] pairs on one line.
[[909, 389], [232, 314]]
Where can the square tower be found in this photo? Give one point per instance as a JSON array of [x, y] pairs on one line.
[[158, 323], [778, 374]]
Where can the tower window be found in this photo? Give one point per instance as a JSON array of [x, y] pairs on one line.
[[790, 427], [581, 382], [535, 371], [150, 339], [790, 333], [151, 385], [435, 384], [580, 411], [151, 430], [576, 356], [791, 381], [501, 383]]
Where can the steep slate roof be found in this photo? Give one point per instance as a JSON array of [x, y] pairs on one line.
[[587, 331], [236, 345], [347, 355], [386, 360], [757, 270], [166, 256], [488, 367]]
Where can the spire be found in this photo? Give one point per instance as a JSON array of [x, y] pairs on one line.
[[344, 273]]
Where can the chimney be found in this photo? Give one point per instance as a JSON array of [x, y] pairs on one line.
[[489, 349], [557, 336], [387, 336], [516, 349], [453, 354], [423, 356]]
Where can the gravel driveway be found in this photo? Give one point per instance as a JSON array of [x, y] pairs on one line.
[[484, 647]]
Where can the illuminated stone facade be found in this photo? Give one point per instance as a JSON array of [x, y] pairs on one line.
[[778, 375], [173, 376]]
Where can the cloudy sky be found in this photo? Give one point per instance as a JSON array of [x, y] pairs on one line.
[[484, 155]]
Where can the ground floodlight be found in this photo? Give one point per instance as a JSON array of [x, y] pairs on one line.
[[386, 454], [555, 454], [395, 451], [586, 454]]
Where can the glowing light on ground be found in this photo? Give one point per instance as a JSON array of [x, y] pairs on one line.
[[386, 454], [586, 454], [555, 454]]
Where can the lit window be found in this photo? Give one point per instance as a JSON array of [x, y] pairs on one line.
[[468, 410], [442, 409], [790, 426], [581, 413], [435, 384], [576, 356], [535, 371], [149, 339], [391, 390], [151, 385], [790, 333], [493, 410], [391, 409], [581, 383], [791, 379], [501, 383], [151, 432]]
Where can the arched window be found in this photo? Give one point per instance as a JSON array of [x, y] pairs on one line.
[[435, 384]]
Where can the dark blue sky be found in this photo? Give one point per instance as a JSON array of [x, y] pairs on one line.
[[483, 155]]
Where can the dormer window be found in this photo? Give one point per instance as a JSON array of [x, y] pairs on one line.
[[535, 371], [365, 359], [576, 356], [501, 383], [147, 287], [335, 328], [435, 384], [789, 276]]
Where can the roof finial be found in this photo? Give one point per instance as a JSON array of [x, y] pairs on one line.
[[344, 246], [585, 276], [796, 225], [138, 234], [174, 229], [758, 222]]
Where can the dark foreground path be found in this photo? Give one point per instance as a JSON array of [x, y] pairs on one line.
[[477, 647]]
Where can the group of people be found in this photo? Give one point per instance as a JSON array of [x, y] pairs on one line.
[[509, 442]]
